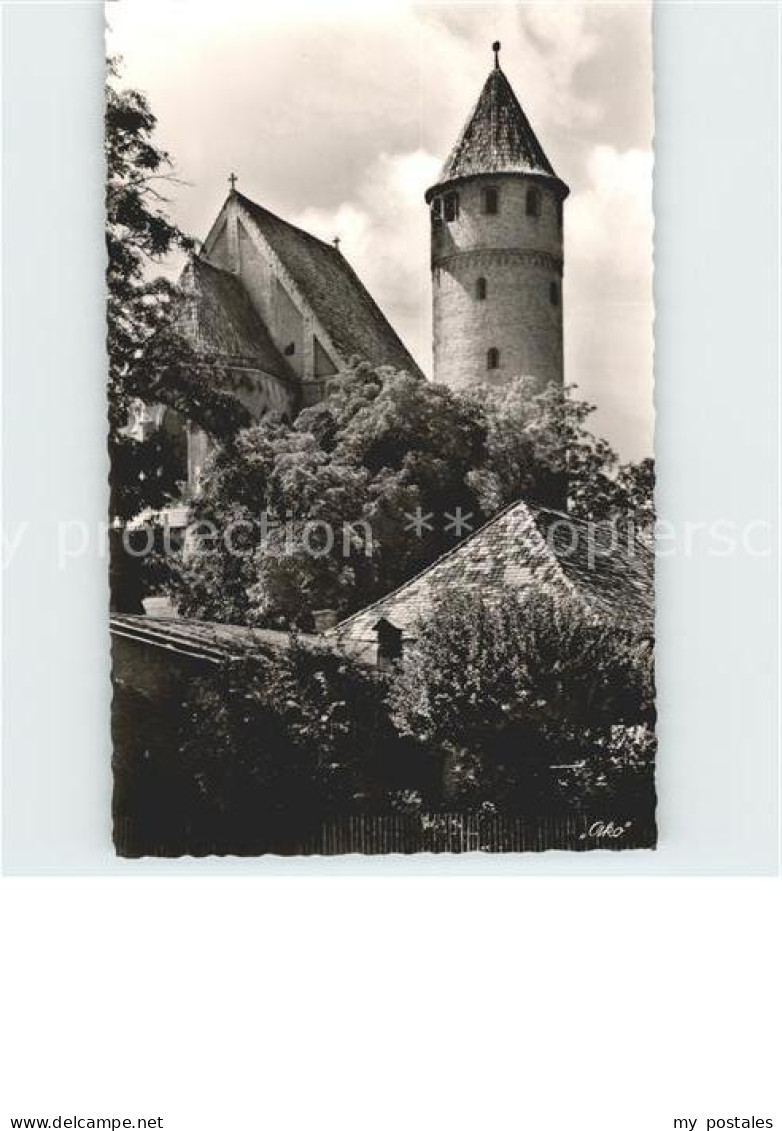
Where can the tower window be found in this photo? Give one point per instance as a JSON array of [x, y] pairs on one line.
[[553, 293], [451, 206], [533, 202], [493, 358], [290, 349], [480, 289], [491, 201], [559, 215], [437, 208]]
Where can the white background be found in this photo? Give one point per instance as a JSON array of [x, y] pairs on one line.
[[375, 1005], [375, 1001]]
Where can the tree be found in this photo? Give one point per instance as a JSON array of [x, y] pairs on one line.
[[539, 448], [510, 687], [138, 235], [323, 508], [150, 357], [251, 755]]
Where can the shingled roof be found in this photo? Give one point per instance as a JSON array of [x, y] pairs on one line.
[[224, 322], [203, 640], [497, 138], [523, 548], [340, 301]]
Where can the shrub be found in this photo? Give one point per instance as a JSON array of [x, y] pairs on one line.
[[510, 688]]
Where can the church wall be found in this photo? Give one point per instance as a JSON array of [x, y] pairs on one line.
[[255, 273], [220, 252], [324, 366], [287, 328], [261, 393]]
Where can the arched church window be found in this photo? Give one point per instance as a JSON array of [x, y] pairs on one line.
[[553, 294], [533, 202], [491, 201], [493, 358], [451, 206], [480, 289]]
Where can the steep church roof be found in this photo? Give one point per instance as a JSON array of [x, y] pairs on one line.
[[338, 298], [523, 548], [224, 321], [497, 138]]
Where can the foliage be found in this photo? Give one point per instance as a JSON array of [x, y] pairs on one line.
[[144, 473], [539, 448], [257, 754], [138, 235], [509, 687], [253, 755], [150, 359], [320, 509], [343, 482]]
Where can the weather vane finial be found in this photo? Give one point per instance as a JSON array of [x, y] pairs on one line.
[[496, 49], [232, 181]]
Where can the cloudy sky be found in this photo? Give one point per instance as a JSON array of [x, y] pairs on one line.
[[337, 116]]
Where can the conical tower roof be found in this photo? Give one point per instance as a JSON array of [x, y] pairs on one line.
[[497, 137]]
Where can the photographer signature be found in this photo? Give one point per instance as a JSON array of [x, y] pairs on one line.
[[606, 830]]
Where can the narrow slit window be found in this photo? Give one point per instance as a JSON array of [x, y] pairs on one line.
[[533, 202], [480, 289], [491, 201], [493, 358], [553, 293], [559, 215], [451, 206], [437, 208]]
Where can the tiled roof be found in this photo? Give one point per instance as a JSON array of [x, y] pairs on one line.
[[340, 301], [523, 548], [497, 138], [205, 640], [224, 321]]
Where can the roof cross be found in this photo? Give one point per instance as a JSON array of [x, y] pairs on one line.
[[496, 49], [232, 181]]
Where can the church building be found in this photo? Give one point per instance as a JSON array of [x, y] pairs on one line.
[[278, 311]]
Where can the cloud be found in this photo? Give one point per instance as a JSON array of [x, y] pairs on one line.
[[609, 224], [608, 295], [384, 233]]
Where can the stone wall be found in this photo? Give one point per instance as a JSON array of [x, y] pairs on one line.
[[520, 258]]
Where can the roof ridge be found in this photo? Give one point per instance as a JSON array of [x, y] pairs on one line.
[[294, 227], [343, 304], [426, 569], [535, 512]]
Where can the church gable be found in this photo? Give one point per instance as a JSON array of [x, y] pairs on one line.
[[313, 306], [291, 329], [344, 317], [219, 254]]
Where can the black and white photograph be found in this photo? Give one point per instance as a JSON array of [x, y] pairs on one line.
[[380, 389], [391, 479]]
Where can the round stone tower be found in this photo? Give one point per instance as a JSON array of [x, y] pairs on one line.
[[497, 249]]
